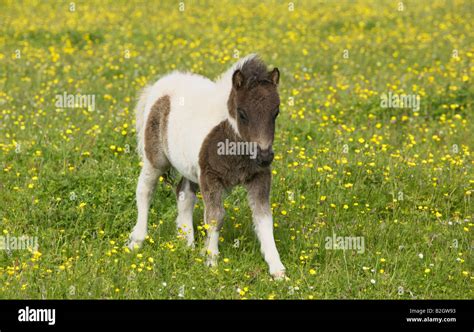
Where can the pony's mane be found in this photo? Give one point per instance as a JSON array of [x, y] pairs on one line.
[[253, 69], [255, 72]]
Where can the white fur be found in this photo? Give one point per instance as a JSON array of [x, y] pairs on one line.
[[263, 224], [195, 111], [212, 246], [184, 221], [205, 106], [145, 187], [140, 119]]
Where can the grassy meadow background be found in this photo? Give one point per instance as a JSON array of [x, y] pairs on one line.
[[344, 165]]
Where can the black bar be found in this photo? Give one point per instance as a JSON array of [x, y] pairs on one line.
[[350, 313]]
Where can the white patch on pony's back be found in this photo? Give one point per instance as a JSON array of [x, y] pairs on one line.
[[197, 106], [195, 111]]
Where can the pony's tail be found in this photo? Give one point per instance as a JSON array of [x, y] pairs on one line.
[[140, 120]]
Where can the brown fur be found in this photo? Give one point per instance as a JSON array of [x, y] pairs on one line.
[[156, 142], [222, 172], [226, 170], [254, 93]]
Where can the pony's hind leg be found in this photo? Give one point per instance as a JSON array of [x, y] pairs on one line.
[[145, 188], [151, 139], [186, 197]]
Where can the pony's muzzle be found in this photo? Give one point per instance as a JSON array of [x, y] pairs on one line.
[[264, 157]]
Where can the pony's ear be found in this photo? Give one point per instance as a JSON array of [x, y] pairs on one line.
[[238, 79], [274, 76]]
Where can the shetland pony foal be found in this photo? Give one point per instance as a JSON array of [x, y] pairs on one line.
[[182, 119]]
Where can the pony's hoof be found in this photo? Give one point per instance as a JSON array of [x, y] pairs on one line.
[[188, 241], [211, 261], [133, 243], [279, 275]]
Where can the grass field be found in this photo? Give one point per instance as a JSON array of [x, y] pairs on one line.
[[399, 178]]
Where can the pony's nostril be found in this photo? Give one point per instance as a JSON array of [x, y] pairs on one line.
[[265, 157]]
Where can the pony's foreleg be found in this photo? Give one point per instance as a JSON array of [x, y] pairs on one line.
[[259, 201], [145, 189], [186, 197], [213, 217]]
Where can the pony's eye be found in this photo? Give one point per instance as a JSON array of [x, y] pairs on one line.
[[242, 115], [276, 113]]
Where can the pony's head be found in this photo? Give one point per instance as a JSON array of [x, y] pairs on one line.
[[254, 106]]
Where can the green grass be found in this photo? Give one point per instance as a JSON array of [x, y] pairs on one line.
[[411, 173]]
